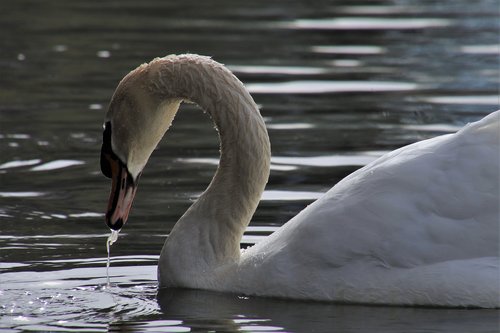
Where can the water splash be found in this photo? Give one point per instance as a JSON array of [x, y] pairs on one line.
[[113, 237]]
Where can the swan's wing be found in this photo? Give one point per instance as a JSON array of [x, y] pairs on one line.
[[429, 202]]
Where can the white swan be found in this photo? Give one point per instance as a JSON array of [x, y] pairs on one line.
[[418, 226]]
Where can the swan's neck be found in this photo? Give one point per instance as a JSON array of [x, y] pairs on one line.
[[208, 235]]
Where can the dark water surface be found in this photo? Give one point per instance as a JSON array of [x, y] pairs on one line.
[[339, 83]]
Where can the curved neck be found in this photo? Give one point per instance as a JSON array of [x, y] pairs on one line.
[[210, 231]]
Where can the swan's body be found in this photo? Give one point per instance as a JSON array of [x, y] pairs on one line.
[[419, 226]]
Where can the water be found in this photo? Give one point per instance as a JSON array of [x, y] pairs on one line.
[[113, 237], [339, 83]]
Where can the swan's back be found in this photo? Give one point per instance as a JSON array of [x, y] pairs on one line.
[[417, 226]]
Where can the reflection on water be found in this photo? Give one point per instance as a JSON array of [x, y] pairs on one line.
[[338, 82], [77, 299], [262, 314], [351, 49], [17, 164], [369, 23], [278, 70], [460, 100], [53, 165], [481, 49], [20, 194], [322, 87]]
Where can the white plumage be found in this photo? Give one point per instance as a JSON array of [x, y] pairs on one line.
[[417, 226]]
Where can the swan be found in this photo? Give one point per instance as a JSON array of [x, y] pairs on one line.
[[416, 227]]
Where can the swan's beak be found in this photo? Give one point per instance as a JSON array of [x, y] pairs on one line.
[[122, 194], [123, 184]]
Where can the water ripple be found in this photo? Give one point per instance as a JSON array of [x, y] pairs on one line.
[[481, 49], [378, 9], [21, 194], [290, 70], [469, 100], [368, 23], [321, 87], [446, 128], [360, 159], [350, 49], [58, 164], [328, 161], [76, 299], [19, 136], [20, 163], [291, 126], [276, 195]]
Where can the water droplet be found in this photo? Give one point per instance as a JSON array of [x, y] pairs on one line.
[[111, 239]]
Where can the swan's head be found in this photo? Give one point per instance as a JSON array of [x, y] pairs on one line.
[[135, 122]]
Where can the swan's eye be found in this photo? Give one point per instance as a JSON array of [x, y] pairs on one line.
[[107, 154]]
